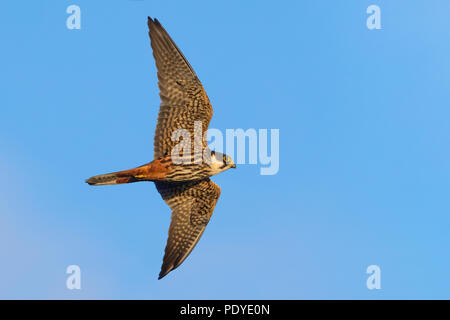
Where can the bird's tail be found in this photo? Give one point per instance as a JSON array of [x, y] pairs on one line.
[[127, 176]]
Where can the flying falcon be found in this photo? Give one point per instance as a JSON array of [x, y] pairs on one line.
[[184, 185]]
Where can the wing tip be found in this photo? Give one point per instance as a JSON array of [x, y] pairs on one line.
[[164, 272], [153, 21]]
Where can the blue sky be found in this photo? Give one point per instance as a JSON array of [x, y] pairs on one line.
[[364, 124]]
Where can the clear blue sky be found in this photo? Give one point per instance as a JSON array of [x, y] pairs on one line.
[[364, 119]]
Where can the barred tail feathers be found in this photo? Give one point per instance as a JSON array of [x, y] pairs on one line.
[[142, 173]]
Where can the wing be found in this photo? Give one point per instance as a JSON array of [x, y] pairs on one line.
[[183, 99], [192, 205]]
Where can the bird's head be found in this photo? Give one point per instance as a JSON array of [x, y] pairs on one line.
[[221, 162]]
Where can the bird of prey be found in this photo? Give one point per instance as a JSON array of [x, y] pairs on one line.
[[184, 185]]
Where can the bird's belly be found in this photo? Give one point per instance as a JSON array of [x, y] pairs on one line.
[[188, 172]]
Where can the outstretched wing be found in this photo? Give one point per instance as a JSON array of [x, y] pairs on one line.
[[183, 99], [192, 205]]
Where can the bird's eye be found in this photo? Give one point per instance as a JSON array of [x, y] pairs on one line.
[[213, 153]]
